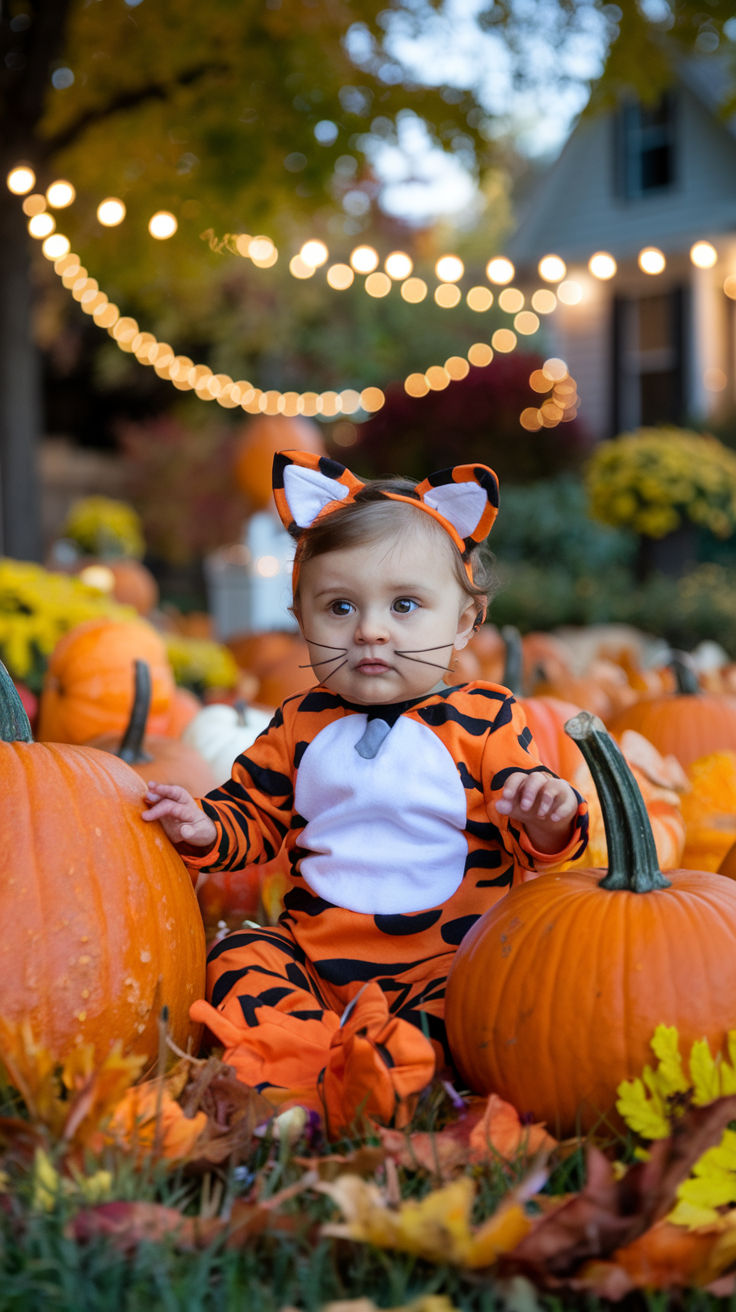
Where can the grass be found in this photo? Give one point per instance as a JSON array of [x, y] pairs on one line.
[[286, 1263]]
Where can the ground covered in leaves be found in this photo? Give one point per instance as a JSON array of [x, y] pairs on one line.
[[190, 1191]]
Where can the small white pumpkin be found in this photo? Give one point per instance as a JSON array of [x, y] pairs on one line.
[[220, 732]]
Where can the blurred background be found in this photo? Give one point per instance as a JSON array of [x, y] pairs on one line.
[[407, 234]]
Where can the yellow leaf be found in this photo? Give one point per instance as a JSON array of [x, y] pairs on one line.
[[692, 1215], [704, 1073], [669, 1075], [436, 1227], [46, 1183], [640, 1112]]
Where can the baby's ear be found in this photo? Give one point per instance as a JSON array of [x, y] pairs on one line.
[[304, 484], [466, 496]]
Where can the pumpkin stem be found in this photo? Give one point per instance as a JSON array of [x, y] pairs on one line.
[[241, 710], [512, 668], [15, 727], [632, 854], [686, 680], [131, 746]]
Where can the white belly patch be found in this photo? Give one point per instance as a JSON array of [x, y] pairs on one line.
[[385, 834]]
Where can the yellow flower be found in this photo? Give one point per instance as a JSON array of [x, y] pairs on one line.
[[102, 526], [635, 477]]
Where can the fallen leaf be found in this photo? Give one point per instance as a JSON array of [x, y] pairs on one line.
[[436, 1227], [488, 1130]]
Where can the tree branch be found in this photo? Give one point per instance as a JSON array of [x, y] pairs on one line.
[[129, 99]]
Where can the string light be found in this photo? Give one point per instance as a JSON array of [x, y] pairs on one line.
[[703, 255], [60, 194], [21, 180], [651, 260], [552, 268], [602, 265], [162, 225], [110, 212], [184, 374]]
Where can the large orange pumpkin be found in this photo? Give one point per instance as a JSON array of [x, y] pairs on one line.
[[88, 686], [686, 723], [262, 437], [555, 993], [709, 810], [101, 924]]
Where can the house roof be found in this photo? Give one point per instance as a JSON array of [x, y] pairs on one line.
[[575, 209]]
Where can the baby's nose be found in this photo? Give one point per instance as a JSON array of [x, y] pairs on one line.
[[372, 627]]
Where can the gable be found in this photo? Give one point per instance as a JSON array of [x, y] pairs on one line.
[[578, 209]]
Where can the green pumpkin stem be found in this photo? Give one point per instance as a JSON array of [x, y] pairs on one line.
[[686, 680], [632, 854], [131, 746], [15, 727], [512, 676]]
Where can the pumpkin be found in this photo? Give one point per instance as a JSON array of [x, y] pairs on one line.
[[546, 716], [156, 756], [262, 437], [709, 810], [185, 704], [554, 994], [102, 928], [220, 733], [687, 722], [128, 580], [87, 688]]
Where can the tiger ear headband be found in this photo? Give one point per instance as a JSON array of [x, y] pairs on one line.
[[462, 500]]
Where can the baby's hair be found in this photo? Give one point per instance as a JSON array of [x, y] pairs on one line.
[[370, 515]]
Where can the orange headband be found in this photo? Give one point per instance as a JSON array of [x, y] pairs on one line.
[[462, 500]]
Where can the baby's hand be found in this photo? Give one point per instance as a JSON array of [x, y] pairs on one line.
[[181, 818], [544, 804]]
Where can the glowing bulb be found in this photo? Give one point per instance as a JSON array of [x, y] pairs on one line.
[[526, 323], [60, 194], [570, 292], [364, 259], [378, 284], [602, 265], [41, 225], [554, 369], [552, 268], [263, 252], [55, 246], [371, 399], [298, 268], [447, 295], [479, 299], [511, 300], [314, 253], [414, 290], [651, 260], [162, 224], [503, 340], [398, 265], [110, 212], [20, 180], [340, 276], [703, 255], [480, 354], [449, 268], [499, 270]]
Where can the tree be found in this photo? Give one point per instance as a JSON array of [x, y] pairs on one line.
[[238, 114], [245, 115]]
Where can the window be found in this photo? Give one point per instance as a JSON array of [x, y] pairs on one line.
[[645, 147], [648, 360]]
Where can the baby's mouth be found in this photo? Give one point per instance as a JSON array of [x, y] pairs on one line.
[[372, 665]]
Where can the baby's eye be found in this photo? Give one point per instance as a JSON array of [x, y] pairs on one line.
[[340, 607], [405, 605]]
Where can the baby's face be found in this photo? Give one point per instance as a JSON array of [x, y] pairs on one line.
[[383, 620]]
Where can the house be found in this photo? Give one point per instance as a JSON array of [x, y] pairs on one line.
[[643, 347]]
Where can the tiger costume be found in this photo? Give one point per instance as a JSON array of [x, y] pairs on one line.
[[385, 820]]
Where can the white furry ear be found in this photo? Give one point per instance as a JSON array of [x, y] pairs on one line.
[[307, 492], [462, 504]]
